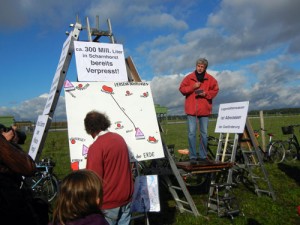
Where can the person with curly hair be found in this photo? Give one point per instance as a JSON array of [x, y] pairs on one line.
[[108, 156]]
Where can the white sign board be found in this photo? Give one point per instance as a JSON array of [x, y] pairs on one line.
[[146, 195], [100, 61], [130, 109], [39, 130], [232, 117]]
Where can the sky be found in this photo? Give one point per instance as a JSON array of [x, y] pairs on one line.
[[252, 47]]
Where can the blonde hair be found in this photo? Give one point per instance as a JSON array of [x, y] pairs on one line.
[[78, 196]]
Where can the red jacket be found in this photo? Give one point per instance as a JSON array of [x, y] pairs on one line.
[[200, 106], [108, 156]]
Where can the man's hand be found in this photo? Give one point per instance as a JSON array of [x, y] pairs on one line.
[[203, 94], [9, 135], [197, 85]]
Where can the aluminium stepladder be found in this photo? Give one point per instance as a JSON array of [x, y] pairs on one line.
[[170, 176], [221, 199], [253, 163], [186, 202], [252, 166]]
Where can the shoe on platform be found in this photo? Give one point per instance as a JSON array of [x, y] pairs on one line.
[[205, 161], [193, 161]]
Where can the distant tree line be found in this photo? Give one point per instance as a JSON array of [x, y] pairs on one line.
[[283, 111], [277, 111]]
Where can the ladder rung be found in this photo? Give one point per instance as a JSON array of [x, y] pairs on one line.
[[221, 200], [222, 154], [181, 201], [176, 187], [212, 199], [220, 185], [236, 211], [227, 198], [264, 191]]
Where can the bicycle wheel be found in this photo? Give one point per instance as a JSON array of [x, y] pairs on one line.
[[49, 187], [290, 151], [212, 146], [276, 152]]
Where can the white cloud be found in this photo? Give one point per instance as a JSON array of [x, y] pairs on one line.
[[32, 108], [165, 90], [146, 14], [16, 14], [237, 30]]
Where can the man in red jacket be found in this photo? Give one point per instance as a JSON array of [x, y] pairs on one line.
[[108, 156], [199, 89]]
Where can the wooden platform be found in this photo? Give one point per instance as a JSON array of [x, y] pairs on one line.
[[204, 167]]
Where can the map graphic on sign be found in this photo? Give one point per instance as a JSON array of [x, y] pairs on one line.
[[132, 115], [68, 85], [109, 90], [146, 194]]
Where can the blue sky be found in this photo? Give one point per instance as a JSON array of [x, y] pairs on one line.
[[252, 48]]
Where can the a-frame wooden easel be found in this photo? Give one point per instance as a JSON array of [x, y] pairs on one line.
[[44, 120]]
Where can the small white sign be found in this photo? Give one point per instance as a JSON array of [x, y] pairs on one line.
[[100, 61], [232, 117], [146, 195], [40, 127]]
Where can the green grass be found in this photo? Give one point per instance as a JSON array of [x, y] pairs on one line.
[[284, 177]]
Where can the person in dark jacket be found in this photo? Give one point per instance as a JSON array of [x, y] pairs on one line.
[[17, 205], [199, 89], [79, 200]]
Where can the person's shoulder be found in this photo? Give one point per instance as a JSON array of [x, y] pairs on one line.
[[97, 219], [114, 134], [190, 74], [93, 219], [209, 76], [109, 136]]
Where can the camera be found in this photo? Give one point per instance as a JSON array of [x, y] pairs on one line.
[[19, 136], [198, 91]]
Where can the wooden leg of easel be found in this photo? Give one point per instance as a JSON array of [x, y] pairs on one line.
[[246, 136], [225, 147]]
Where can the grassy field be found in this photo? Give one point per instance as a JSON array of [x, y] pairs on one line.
[[285, 178]]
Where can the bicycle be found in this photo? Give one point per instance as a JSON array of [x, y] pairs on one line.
[[44, 182], [275, 151], [292, 146]]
